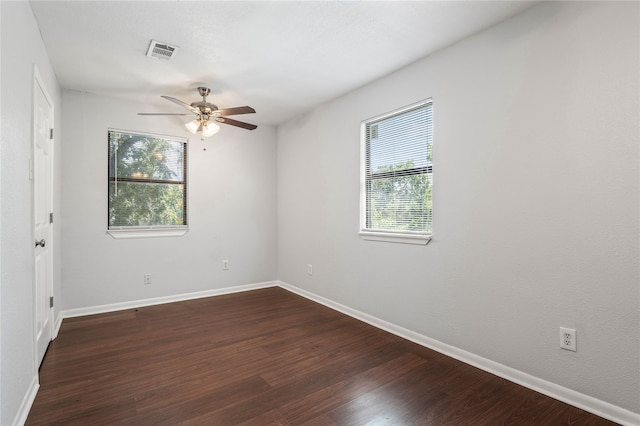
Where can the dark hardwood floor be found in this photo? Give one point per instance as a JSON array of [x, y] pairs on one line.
[[267, 357]]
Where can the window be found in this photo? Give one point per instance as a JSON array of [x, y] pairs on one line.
[[147, 184], [397, 175]]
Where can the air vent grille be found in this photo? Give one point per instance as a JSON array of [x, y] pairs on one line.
[[161, 50]]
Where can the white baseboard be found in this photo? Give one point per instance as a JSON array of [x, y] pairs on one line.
[[100, 309], [56, 325], [27, 402], [569, 396]]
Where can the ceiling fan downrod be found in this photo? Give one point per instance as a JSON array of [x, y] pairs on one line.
[[204, 92], [204, 106]]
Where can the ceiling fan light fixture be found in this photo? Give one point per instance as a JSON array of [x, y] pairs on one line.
[[210, 128], [207, 115], [193, 126]]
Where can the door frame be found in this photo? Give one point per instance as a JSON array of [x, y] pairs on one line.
[[38, 84]]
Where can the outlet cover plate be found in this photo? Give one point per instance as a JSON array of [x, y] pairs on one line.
[[568, 339]]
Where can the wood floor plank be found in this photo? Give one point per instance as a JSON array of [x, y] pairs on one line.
[[341, 393], [267, 357]]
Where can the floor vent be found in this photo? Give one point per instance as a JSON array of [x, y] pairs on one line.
[[161, 50]]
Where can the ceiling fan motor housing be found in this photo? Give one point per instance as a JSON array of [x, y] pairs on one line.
[[205, 107]]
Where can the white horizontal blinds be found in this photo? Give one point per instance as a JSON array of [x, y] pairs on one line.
[[398, 171], [147, 180]]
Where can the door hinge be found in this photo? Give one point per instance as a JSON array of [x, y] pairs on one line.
[[51, 302], [51, 133], [51, 217]]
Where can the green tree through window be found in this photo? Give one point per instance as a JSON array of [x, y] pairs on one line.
[[398, 171], [401, 202], [147, 180]]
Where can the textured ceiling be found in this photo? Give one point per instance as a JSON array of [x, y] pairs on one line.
[[282, 58]]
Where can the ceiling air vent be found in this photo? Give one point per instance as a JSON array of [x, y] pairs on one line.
[[160, 50]]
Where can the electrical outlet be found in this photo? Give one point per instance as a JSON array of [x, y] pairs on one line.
[[225, 264], [310, 269], [147, 278], [568, 339]]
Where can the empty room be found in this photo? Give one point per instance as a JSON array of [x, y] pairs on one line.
[[337, 212]]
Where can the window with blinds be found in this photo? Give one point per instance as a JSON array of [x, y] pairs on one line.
[[398, 171], [147, 181]]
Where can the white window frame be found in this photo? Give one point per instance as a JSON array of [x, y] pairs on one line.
[[405, 237], [127, 232]]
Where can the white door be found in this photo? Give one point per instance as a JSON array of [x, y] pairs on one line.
[[42, 207]]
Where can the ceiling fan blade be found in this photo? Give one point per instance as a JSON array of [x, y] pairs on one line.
[[236, 123], [182, 104], [234, 111], [163, 113]]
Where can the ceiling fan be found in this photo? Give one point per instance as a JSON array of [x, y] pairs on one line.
[[207, 115]]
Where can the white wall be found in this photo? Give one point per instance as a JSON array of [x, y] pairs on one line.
[[536, 191], [21, 48], [232, 206]]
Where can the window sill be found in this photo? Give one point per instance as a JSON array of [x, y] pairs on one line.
[[146, 233], [416, 239]]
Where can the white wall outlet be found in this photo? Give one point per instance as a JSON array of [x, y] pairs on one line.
[[147, 278], [568, 339], [310, 269], [225, 264]]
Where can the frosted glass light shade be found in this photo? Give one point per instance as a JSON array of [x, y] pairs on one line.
[[193, 126], [210, 128]]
